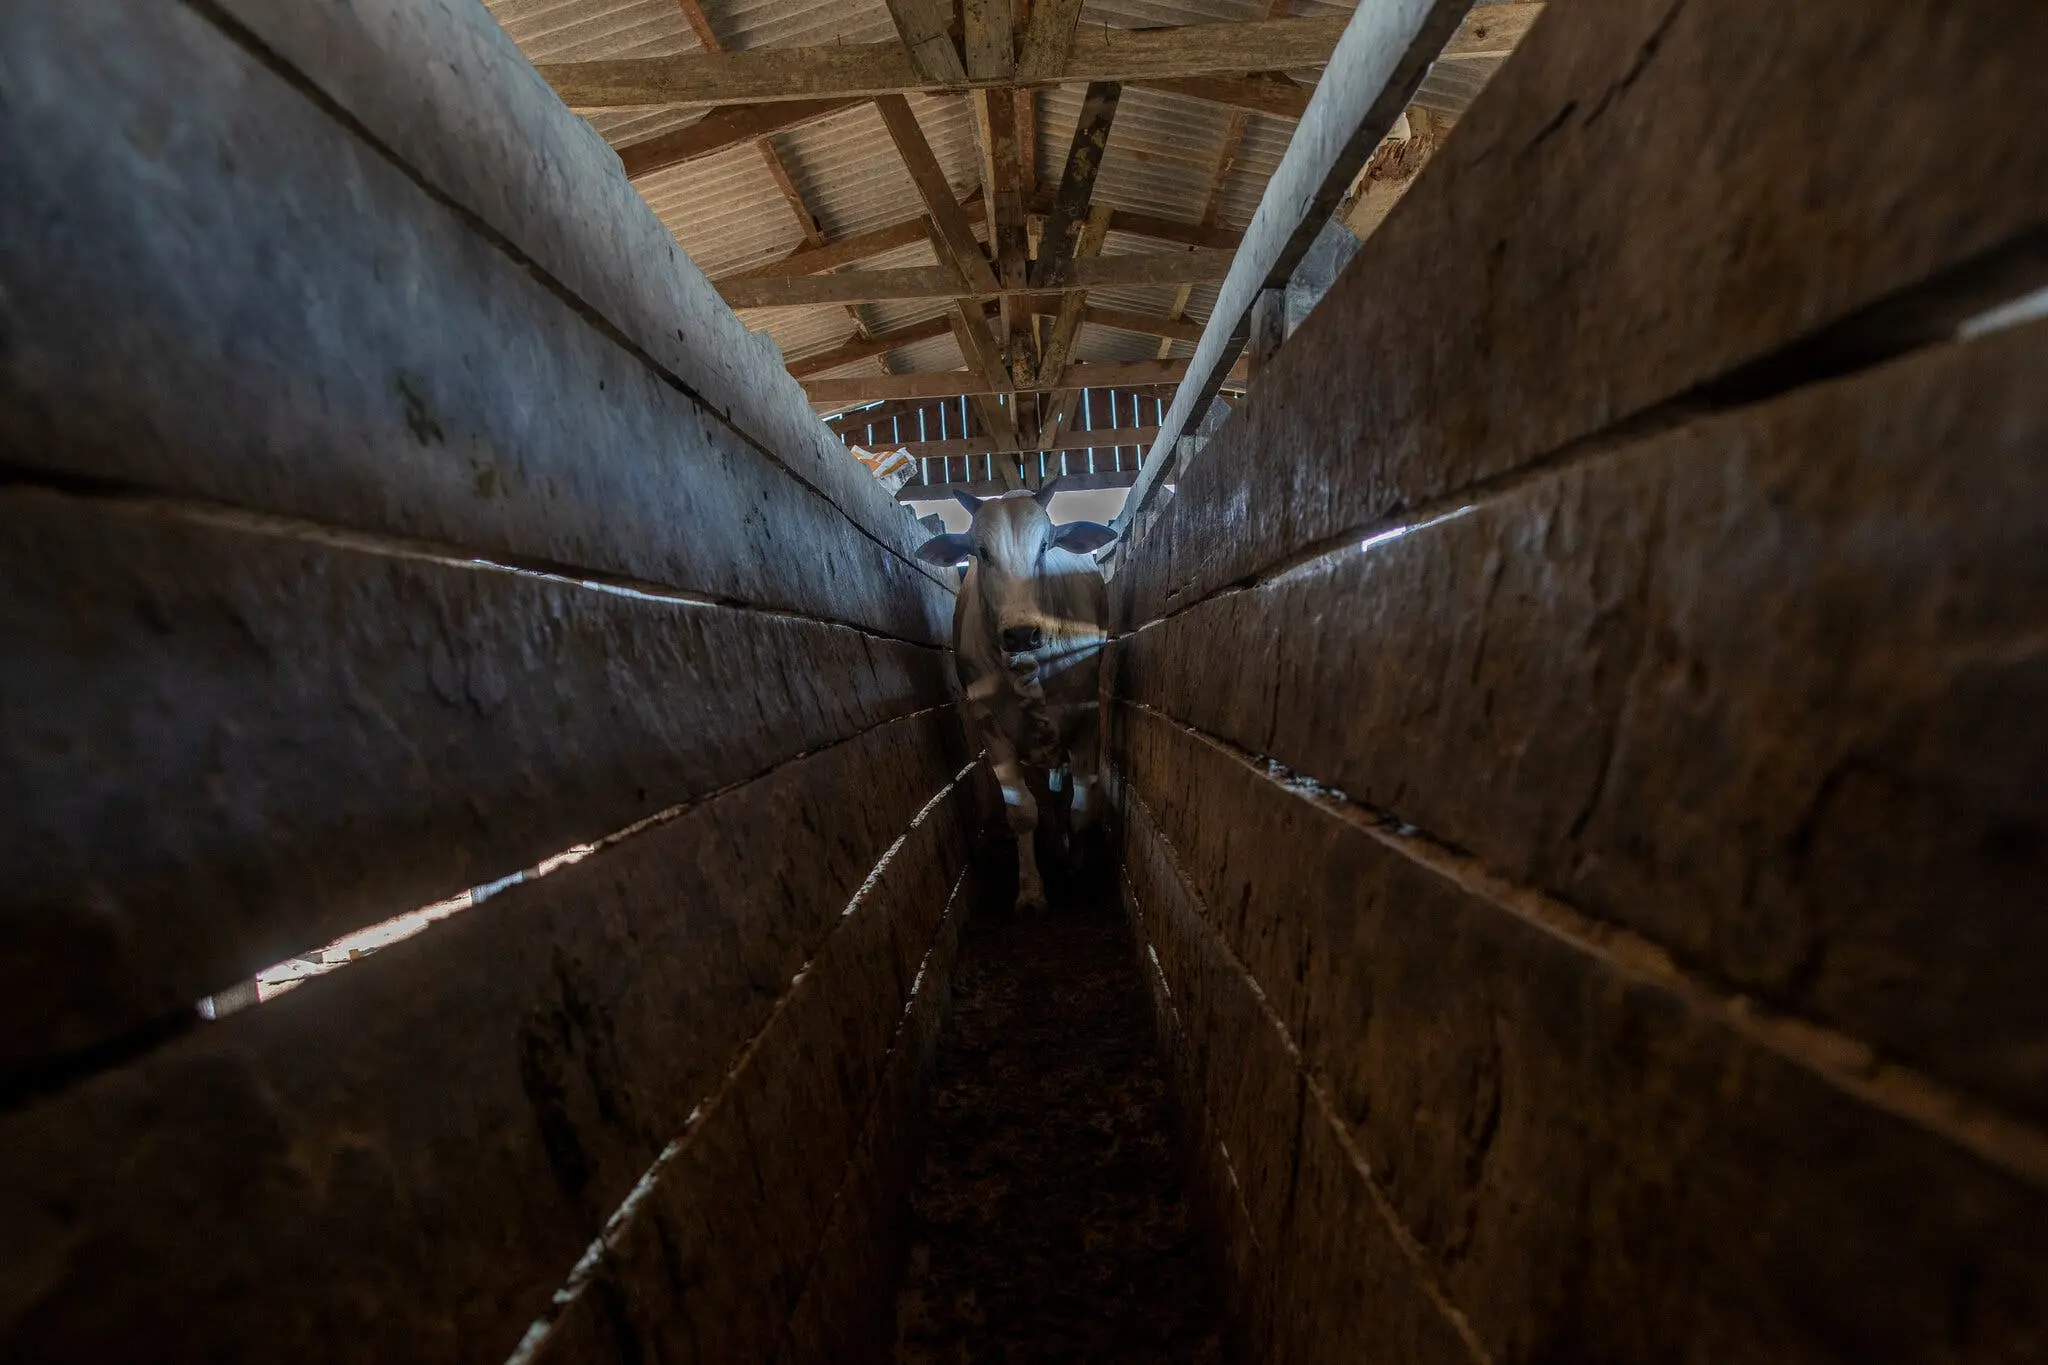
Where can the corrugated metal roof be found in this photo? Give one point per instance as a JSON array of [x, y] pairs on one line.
[[729, 215]]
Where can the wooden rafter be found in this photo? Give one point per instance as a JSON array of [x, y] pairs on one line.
[[1070, 206], [952, 383], [921, 26], [943, 282], [1144, 324], [1059, 349], [982, 445], [956, 243], [723, 129], [865, 70], [1266, 93], [1048, 40], [808, 260], [880, 343], [988, 39]]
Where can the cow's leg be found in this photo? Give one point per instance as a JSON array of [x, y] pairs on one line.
[[1021, 809], [1084, 759]]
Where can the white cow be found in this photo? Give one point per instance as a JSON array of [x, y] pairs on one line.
[[1028, 630]]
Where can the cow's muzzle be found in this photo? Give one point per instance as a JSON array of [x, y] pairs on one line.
[[1022, 639]]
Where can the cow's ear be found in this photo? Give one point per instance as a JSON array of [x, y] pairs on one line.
[[946, 549], [1083, 537]]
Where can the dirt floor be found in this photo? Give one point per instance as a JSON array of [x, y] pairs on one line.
[[1049, 1223]]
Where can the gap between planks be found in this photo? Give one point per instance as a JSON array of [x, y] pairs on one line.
[[1838, 1059]]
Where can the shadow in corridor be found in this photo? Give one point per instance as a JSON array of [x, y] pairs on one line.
[[1048, 1221]]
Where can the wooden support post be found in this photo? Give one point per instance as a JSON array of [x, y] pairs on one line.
[[930, 179]]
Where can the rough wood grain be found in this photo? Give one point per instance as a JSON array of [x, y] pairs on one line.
[[1595, 1165], [403, 1159], [713, 1262], [1134, 270], [1316, 1270], [922, 25], [164, 283], [733, 126], [1100, 374], [866, 348], [929, 178], [484, 131], [1770, 688], [867, 70], [1749, 230], [231, 743]]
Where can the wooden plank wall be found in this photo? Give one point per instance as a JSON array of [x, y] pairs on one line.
[[390, 507], [1580, 723]]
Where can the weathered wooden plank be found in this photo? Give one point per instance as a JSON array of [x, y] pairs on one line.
[[1598, 1156], [296, 738], [162, 287], [989, 488], [484, 131], [404, 1159], [868, 70], [988, 30], [1321, 1273], [712, 1262], [922, 25], [1757, 209], [1133, 270], [847, 1311], [1492, 30], [1770, 688], [866, 348], [721, 129], [982, 445], [861, 246], [1271, 93], [929, 178], [1385, 52], [1101, 373], [1145, 324], [1063, 226]]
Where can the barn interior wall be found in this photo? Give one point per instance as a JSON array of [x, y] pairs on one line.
[[1579, 723], [392, 507]]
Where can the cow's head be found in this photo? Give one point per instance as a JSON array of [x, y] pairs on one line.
[[1012, 548]]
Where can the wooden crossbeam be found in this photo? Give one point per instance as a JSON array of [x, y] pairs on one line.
[[880, 343], [943, 282], [1048, 40], [953, 383], [1144, 324], [865, 70], [922, 26], [989, 488], [1265, 93], [954, 232], [895, 236], [1101, 439], [722, 129], [1070, 205], [1490, 31]]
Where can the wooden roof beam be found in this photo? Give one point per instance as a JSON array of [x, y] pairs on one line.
[[879, 343], [1077, 183], [723, 129], [1099, 439], [865, 70], [953, 383], [1144, 324], [943, 282], [955, 237], [922, 27]]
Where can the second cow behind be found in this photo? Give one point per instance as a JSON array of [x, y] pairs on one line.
[[1028, 631]]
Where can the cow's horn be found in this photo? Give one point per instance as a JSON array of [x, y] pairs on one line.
[[1043, 495], [967, 500]]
